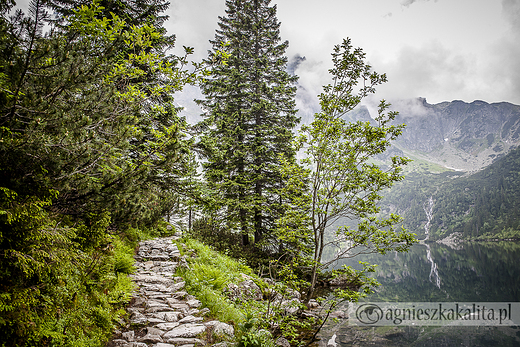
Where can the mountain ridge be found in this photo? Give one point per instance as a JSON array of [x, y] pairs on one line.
[[455, 134]]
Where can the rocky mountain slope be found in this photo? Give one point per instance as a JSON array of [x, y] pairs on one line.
[[478, 139], [458, 135]]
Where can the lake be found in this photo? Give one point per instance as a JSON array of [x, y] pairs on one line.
[[433, 272]]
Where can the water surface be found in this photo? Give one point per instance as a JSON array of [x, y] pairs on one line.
[[469, 272]]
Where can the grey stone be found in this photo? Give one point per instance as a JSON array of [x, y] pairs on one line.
[[180, 295], [313, 304], [153, 279], [148, 265], [245, 290], [291, 306], [223, 329], [211, 323], [191, 319], [167, 326], [138, 344], [163, 315], [159, 257], [308, 314], [178, 286], [160, 296], [193, 312], [157, 309], [293, 294], [194, 303], [138, 300], [172, 316], [119, 343], [180, 306], [151, 338], [186, 330], [251, 289], [343, 280], [184, 341], [281, 341], [154, 330], [129, 335], [151, 290], [162, 344], [138, 319], [174, 301], [154, 303], [133, 310]]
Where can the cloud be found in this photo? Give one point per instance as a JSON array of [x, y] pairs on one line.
[[511, 11], [503, 70], [429, 70], [312, 75], [414, 107], [193, 27], [407, 3]]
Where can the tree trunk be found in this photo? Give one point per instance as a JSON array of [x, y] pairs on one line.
[[312, 287]]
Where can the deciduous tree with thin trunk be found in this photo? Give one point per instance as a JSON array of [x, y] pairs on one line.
[[341, 180]]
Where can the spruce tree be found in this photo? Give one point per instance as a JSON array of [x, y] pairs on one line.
[[249, 113]]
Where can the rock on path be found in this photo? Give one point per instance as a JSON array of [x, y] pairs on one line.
[[162, 313]]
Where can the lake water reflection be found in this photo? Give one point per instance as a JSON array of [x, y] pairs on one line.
[[473, 271]]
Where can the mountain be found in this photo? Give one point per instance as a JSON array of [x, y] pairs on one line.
[[465, 176], [463, 136], [456, 135]]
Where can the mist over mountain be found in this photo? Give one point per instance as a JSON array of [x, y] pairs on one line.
[[463, 136], [455, 135]]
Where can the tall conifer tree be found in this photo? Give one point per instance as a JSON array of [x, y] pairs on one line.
[[250, 111]]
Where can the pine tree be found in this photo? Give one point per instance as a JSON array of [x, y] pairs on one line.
[[94, 106], [250, 111], [90, 142]]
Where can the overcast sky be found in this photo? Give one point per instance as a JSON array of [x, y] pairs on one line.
[[442, 50]]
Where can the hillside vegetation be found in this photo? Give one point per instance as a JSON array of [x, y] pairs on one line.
[[483, 205], [92, 156]]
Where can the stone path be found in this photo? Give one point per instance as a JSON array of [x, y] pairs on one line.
[[162, 313]]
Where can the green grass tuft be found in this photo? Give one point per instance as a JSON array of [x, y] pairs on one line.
[[209, 274]]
